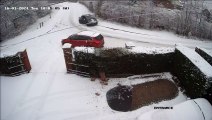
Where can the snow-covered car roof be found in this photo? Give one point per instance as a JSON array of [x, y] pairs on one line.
[[88, 15], [89, 33]]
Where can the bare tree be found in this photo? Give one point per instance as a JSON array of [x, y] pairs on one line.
[[98, 8], [91, 6], [189, 20], [13, 22]]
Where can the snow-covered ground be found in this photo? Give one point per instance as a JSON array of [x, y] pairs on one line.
[[49, 93], [199, 109]]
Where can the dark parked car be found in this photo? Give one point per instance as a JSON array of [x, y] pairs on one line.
[[88, 19], [85, 38]]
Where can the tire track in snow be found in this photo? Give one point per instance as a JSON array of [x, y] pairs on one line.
[[40, 115], [50, 80], [20, 101], [38, 107], [39, 104], [71, 114], [54, 96]]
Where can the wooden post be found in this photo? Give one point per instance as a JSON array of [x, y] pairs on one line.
[[68, 56], [103, 77]]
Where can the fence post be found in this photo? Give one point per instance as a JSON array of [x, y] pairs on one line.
[[68, 56], [103, 78]]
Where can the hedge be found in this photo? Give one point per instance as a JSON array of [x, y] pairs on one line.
[[195, 83], [123, 62], [9, 63]]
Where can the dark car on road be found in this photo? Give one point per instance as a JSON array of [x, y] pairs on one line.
[[88, 19], [85, 38]]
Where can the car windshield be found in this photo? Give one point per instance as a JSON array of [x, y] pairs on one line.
[[79, 37], [89, 17], [99, 37], [73, 37]]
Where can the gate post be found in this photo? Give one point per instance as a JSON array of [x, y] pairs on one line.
[[25, 59], [68, 56], [103, 79]]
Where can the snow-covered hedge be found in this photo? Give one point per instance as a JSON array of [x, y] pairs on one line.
[[117, 62], [193, 72]]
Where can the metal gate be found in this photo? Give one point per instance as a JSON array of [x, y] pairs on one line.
[[71, 67], [78, 69]]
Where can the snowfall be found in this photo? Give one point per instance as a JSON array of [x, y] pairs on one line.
[[48, 92]]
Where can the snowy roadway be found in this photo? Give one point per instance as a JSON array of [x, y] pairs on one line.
[[48, 92]]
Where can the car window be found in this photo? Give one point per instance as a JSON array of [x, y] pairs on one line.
[[90, 17], [83, 17], [82, 37], [99, 37], [69, 37], [73, 37], [87, 38]]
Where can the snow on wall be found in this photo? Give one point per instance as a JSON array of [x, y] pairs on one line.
[[67, 45], [152, 50], [85, 49], [197, 60], [209, 52], [146, 50], [10, 52]]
